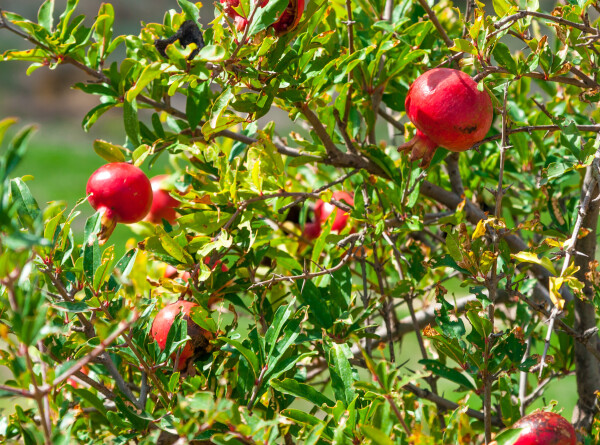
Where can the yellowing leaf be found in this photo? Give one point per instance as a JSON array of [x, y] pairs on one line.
[[530, 257], [555, 285], [479, 230]]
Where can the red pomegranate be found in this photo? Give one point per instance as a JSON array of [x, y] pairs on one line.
[[448, 111], [288, 20], [312, 230], [324, 209], [163, 204], [200, 338], [224, 268], [123, 194], [545, 428], [172, 272]]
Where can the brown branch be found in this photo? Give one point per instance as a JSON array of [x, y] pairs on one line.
[[535, 75], [448, 405], [522, 14], [438, 26]]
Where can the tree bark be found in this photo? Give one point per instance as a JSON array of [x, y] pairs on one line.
[[587, 368]]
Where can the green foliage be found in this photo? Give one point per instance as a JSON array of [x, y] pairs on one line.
[[303, 338]]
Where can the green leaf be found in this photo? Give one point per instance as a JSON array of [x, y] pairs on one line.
[[150, 73], [109, 152], [448, 373], [301, 390], [92, 399], [27, 207], [502, 55], [75, 307], [132, 124], [250, 356], [212, 53], [341, 372], [376, 436], [267, 15], [172, 247], [191, 10], [281, 317], [122, 270], [45, 15], [502, 7]]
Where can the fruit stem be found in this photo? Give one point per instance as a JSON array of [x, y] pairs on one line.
[[421, 147]]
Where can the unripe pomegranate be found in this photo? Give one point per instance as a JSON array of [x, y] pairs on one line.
[[200, 338], [545, 428], [163, 204], [288, 20], [312, 230], [448, 111], [324, 209], [123, 194]]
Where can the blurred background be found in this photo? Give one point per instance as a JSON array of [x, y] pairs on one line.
[[61, 157]]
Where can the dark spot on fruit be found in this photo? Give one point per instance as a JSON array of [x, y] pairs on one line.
[[468, 130]]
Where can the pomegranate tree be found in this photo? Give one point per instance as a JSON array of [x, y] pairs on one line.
[[324, 209], [287, 21], [545, 428], [163, 204], [200, 338], [448, 111], [121, 192]]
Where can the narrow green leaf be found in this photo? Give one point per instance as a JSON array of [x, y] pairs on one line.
[[132, 124], [448, 373], [301, 390], [250, 356]]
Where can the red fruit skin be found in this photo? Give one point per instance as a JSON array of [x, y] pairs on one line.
[[200, 338], [172, 272], [312, 230], [288, 20], [224, 268], [545, 428], [446, 106], [163, 204], [290, 17], [324, 209], [120, 190]]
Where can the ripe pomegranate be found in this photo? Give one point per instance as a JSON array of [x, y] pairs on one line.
[[448, 111], [545, 428], [163, 204], [200, 338], [324, 209], [288, 20], [123, 194], [312, 230]]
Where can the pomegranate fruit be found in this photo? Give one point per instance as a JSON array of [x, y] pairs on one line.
[[163, 204], [312, 230], [324, 209], [121, 192], [172, 272], [287, 21], [545, 428], [200, 338], [448, 111], [224, 268]]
